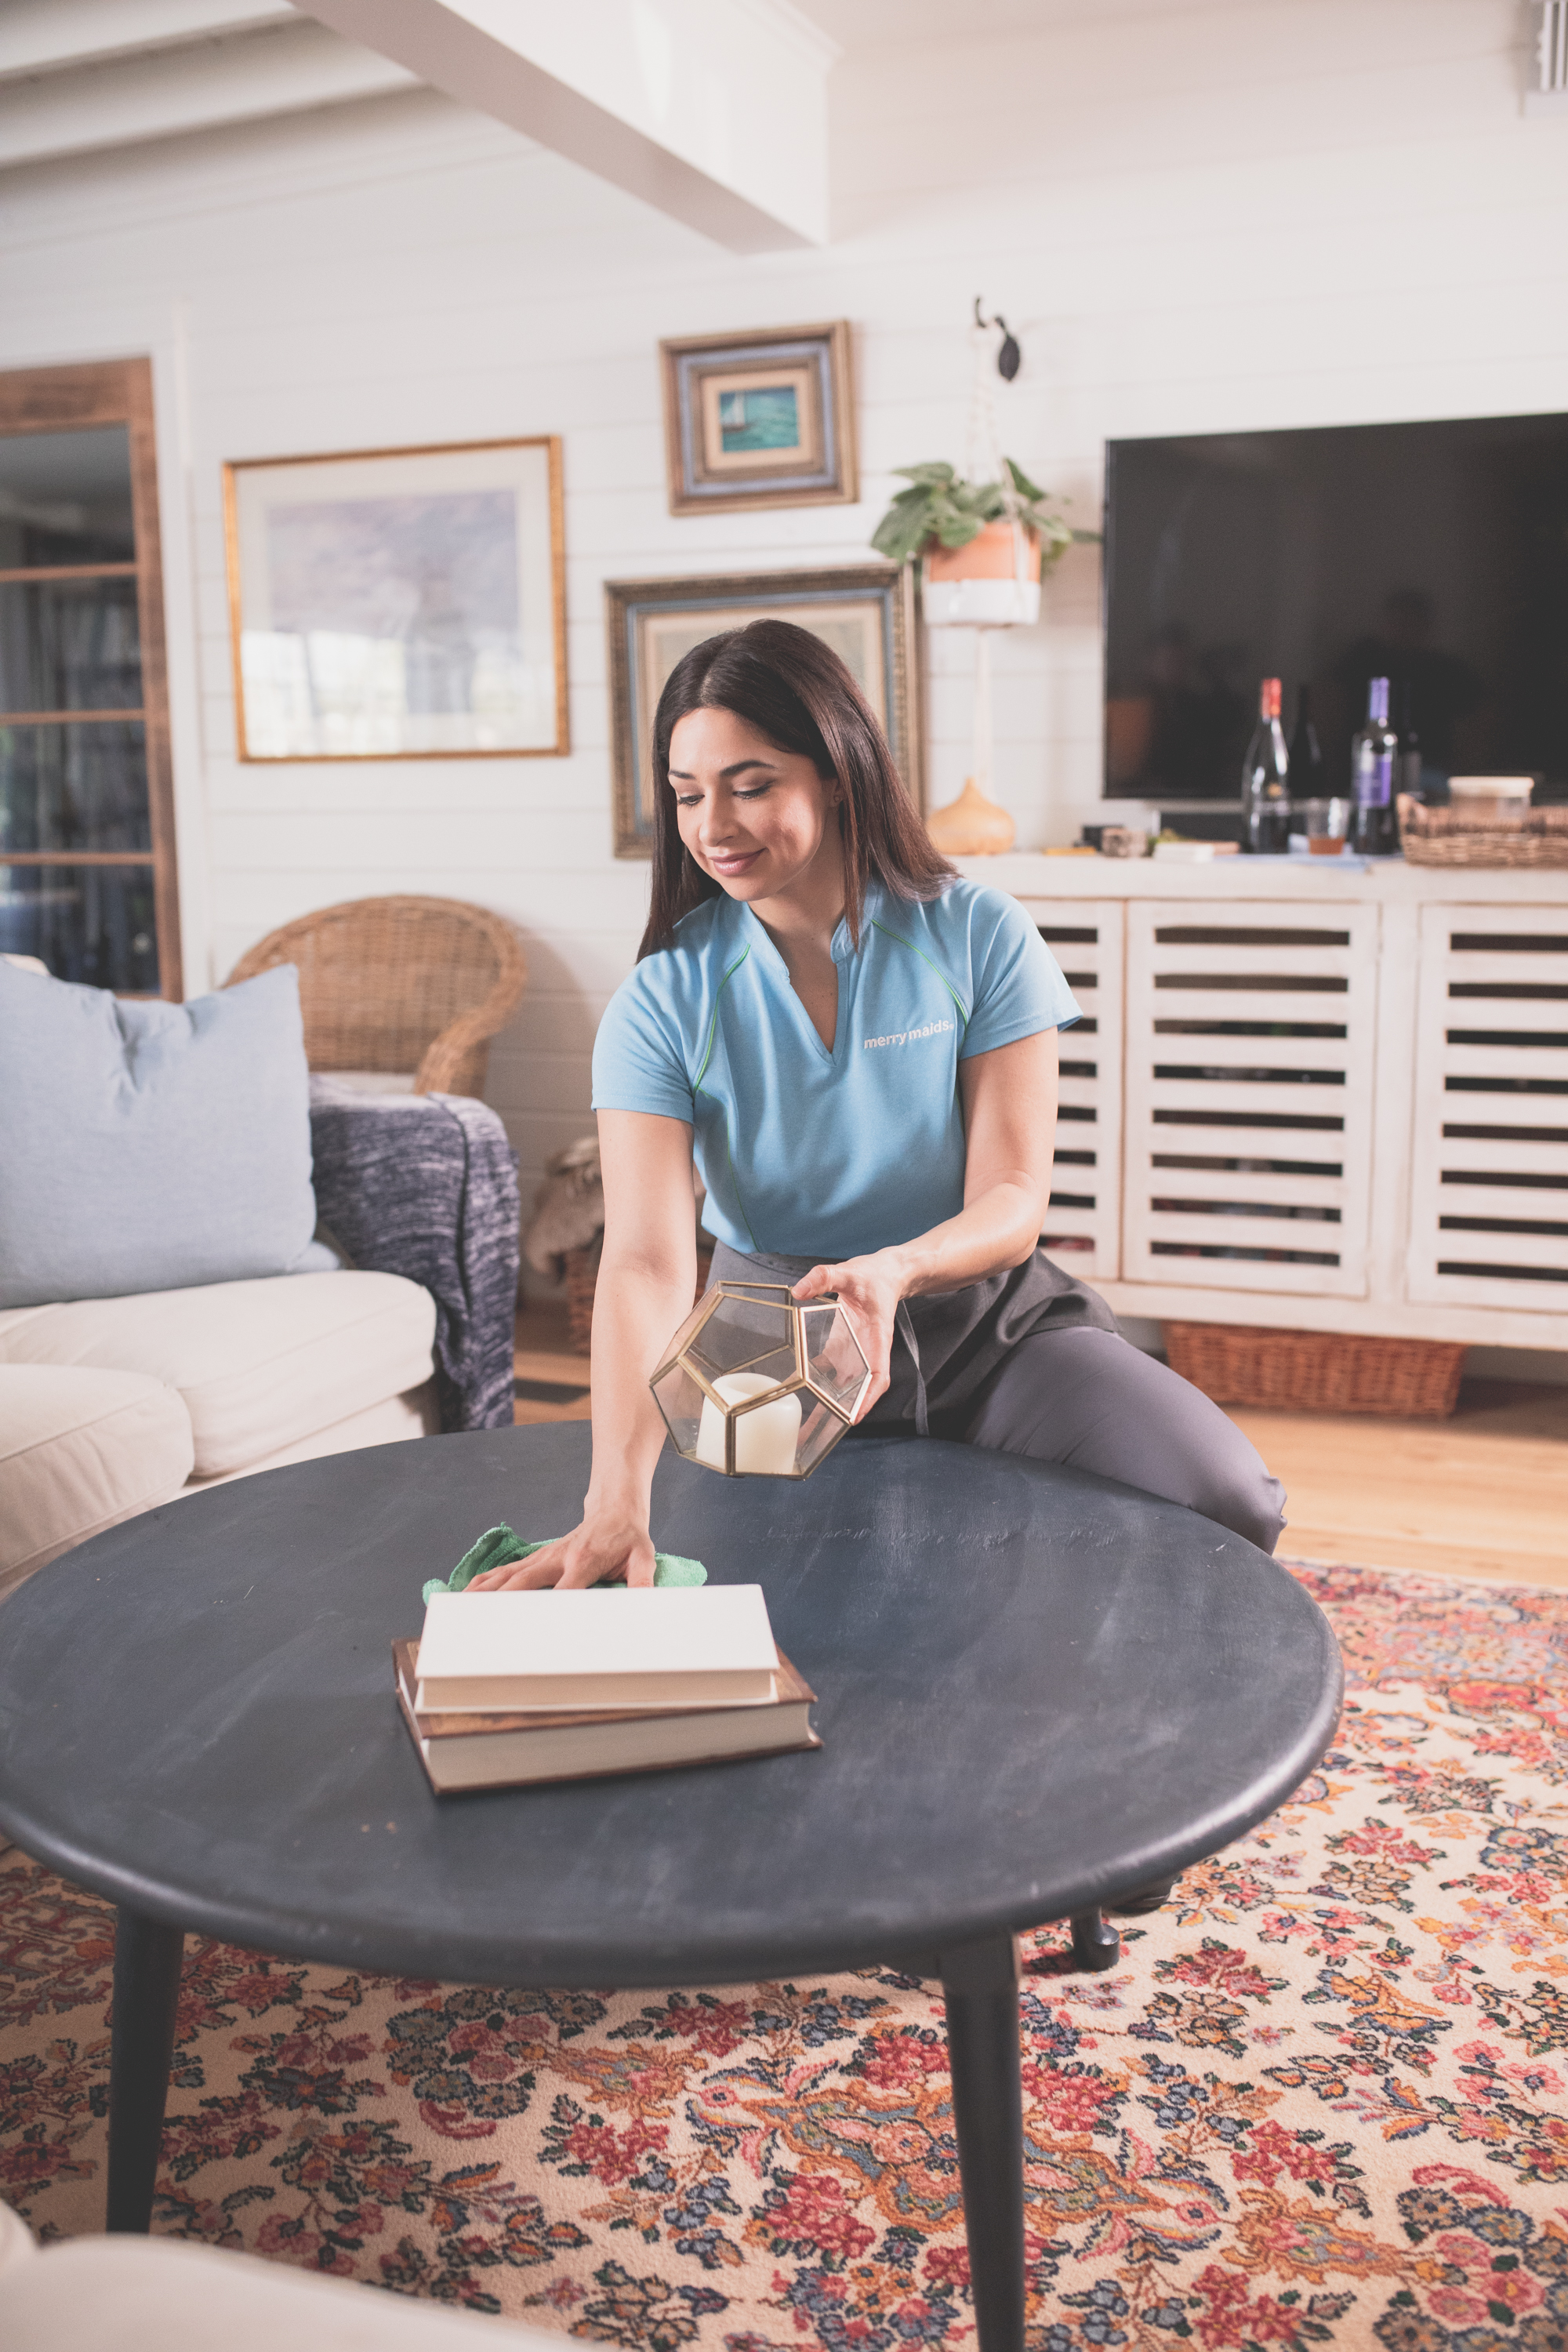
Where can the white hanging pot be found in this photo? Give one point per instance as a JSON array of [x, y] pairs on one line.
[[989, 585]]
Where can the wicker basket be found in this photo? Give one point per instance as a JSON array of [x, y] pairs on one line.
[[582, 1278], [581, 1275], [1318, 1372], [1449, 837]]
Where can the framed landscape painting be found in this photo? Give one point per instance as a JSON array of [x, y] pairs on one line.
[[864, 610], [760, 420], [399, 603]]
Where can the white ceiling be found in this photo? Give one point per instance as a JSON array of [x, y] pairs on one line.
[[81, 75], [876, 24], [77, 76]]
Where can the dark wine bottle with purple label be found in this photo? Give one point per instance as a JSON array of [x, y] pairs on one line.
[[1374, 751]]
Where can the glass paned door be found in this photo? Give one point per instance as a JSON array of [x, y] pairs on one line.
[[69, 645], [74, 787], [92, 923], [65, 500], [87, 873]]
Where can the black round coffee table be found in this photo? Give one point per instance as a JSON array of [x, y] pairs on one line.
[[1039, 1690]]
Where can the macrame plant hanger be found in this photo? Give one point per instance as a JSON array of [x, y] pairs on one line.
[[991, 582], [984, 462]]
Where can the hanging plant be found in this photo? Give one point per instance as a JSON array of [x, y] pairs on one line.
[[940, 509]]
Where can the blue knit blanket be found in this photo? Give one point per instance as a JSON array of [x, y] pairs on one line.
[[426, 1186]]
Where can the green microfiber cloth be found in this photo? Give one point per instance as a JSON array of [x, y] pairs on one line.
[[497, 1546]]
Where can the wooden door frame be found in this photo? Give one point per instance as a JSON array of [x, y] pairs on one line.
[[120, 391]]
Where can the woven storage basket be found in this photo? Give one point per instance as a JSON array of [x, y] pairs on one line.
[[1447, 836], [582, 1279], [1318, 1372], [581, 1275]]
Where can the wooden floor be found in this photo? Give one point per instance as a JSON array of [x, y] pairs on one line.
[[552, 1381], [1485, 1493]]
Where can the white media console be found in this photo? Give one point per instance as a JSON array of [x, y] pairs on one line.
[[1327, 1100]]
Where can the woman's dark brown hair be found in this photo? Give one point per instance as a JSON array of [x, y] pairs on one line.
[[794, 691]]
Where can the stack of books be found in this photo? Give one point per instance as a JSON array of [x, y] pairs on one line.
[[503, 1689]]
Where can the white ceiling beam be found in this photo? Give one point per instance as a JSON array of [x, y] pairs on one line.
[[163, 94], [40, 36], [713, 111]]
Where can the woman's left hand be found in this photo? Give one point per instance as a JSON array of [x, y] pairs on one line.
[[868, 1289]]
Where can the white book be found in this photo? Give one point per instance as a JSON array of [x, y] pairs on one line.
[[708, 1645]]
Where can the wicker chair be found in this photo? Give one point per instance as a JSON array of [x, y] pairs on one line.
[[400, 985]]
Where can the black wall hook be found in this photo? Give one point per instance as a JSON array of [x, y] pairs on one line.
[[1009, 359]]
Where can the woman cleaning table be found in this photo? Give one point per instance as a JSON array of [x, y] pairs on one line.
[[860, 1050]]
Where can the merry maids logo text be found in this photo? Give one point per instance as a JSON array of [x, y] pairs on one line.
[[906, 1036]]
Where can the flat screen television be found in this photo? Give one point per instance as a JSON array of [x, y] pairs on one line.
[[1433, 555]]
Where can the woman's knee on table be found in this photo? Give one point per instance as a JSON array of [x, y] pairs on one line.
[[1088, 1399], [1237, 1490], [1181, 1443]]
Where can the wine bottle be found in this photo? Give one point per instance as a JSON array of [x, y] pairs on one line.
[[1265, 779], [1374, 749], [1305, 751], [1407, 759]]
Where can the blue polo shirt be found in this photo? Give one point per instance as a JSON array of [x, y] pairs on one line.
[[810, 1153]]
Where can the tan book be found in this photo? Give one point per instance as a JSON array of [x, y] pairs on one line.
[[706, 1646], [512, 1748]]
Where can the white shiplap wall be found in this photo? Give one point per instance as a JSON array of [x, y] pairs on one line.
[[1263, 213]]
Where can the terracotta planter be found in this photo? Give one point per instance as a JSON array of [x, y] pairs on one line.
[[999, 552], [993, 581]]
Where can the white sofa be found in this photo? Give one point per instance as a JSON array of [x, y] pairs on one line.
[[112, 1406], [163, 2295]]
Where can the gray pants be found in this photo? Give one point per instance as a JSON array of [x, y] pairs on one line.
[[1091, 1400]]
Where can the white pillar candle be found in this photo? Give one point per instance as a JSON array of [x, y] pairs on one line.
[[765, 1440]]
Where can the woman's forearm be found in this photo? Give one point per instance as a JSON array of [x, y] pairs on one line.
[[637, 1308], [1010, 1124], [995, 1230]]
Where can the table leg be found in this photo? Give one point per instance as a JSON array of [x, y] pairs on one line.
[[146, 2001], [1094, 1942], [980, 1987]]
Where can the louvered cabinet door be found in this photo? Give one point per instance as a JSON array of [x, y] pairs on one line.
[[1250, 1054], [1083, 1223], [1488, 1211]]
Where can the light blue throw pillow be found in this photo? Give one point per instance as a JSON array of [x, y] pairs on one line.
[[149, 1146]]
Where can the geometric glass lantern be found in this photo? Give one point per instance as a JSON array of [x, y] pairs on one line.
[[757, 1385]]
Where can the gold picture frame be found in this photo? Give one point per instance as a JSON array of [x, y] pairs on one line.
[[402, 604], [866, 612], [762, 419]]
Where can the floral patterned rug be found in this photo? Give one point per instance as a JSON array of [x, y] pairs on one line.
[[1321, 2102]]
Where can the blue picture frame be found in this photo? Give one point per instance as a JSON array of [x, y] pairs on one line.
[[799, 377]]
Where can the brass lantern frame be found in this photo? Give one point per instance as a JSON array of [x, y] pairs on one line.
[[676, 1358]]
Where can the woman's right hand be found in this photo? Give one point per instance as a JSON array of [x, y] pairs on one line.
[[868, 1290], [608, 1547]]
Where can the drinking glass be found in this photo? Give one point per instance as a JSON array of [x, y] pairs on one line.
[[1326, 824]]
